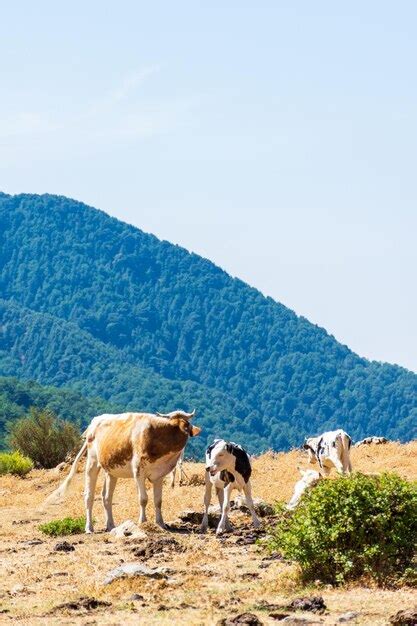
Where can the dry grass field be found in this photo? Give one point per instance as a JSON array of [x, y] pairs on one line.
[[211, 578]]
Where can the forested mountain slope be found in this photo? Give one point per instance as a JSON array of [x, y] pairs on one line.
[[150, 311]]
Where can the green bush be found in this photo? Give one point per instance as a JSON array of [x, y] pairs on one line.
[[351, 527], [14, 463], [66, 526], [43, 437]]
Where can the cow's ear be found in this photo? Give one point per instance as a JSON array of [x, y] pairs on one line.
[[195, 430]]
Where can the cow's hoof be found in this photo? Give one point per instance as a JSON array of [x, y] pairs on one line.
[[89, 531], [257, 524], [203, 529]]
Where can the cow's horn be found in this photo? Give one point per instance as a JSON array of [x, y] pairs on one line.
[[162, 414]]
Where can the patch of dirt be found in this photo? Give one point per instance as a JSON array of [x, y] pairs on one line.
[[83, 605], [152, 547]]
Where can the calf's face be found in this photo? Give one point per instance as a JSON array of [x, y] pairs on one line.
[[219, 458]]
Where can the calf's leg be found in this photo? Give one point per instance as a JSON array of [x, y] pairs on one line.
[[248, 495], [224, 521], [157, 498], [109, 485], [91, 473], [207, 500]]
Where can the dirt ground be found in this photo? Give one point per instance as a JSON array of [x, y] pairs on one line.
[[210, 579]]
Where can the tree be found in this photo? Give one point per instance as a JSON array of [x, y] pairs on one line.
[[43, 437]]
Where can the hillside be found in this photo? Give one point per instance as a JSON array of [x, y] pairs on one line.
[[97, 305], [210, 578]]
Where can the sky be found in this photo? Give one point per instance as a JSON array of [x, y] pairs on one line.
[[278, 139]]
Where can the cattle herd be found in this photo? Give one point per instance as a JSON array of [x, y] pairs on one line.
[[147, 446]]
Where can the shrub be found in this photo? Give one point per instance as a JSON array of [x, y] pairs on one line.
[[14, 463], [66, 526], [43, 437], [350, 527]]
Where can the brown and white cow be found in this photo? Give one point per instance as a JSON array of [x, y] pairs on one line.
[[130, 445]]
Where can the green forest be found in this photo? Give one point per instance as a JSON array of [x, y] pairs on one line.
[[107, 311]]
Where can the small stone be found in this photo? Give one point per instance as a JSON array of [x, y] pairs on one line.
[[128, 530], [348, 617], [131, 570], [405, 617], [19, 588], [136, 597], [314, 603], [64, 546]]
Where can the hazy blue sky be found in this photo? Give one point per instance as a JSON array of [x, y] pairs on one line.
[[279, 139]]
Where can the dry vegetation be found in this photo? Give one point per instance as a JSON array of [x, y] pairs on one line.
[[212, 578]]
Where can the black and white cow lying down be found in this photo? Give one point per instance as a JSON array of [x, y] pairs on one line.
[[227, 467]]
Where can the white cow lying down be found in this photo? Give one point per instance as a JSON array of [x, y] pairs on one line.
[[309, 478], [330, 449]]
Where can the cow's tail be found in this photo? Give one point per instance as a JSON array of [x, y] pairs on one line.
[[59, 493]]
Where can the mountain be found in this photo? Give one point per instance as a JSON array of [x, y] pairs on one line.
[[99, 306], [17, 396]]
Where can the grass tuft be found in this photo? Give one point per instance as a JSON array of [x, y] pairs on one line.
[[14, 463], [62, 527]]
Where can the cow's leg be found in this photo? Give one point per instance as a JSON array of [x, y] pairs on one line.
[[109, 485], [142, 493], [174, 471], [224, 522], [247, 489], [91, 473], [157, 498], [338, 465], [181, 471], [207, 500]]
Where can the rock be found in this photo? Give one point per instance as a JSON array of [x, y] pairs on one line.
[[244, 618], [19, 588], [131, 570], [262, 508], [64, 546], [405, 617], [136, 597], [348, 617], [278, 616], [371, 440], [128, 530], [313, 603], [82, 604], [34, 542]]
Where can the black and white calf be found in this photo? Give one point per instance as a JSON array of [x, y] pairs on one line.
[[227, 467], [330, 449]]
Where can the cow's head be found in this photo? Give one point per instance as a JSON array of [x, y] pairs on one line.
[[310, 445], [183, 420], [219, 457]]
